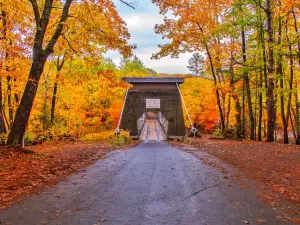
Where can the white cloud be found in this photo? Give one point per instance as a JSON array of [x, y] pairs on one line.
[[145, 40], [142, 22], [141, 25], [166, 64], [163, 65]]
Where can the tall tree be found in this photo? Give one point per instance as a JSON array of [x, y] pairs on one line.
[[3, 17], [194, 26], [262, 70], [124, 61], [40, 55], [197, 64], [137, 60], [59, 65], [45, 39], [247, 82], [271, 86], [236, 99]]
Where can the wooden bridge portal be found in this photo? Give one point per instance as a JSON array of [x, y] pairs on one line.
[[153, 108]]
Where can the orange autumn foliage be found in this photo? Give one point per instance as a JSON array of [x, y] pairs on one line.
[[199, 97]]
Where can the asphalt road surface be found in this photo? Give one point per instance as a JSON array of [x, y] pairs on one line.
[[150, 184]]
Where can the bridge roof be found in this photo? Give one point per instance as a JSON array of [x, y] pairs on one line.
[[153, 80]]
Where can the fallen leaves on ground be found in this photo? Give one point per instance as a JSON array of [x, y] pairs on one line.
[[260, 220], [273, 164], [21, 171], [276, 165]]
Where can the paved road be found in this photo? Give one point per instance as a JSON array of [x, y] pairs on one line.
[[150, 184]]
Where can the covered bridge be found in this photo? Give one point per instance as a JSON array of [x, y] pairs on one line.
[[153, 108]]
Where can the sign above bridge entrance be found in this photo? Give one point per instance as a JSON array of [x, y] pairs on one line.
[[152, 103]]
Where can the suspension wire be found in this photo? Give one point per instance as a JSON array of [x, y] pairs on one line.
[[186, 110], [194, 129], [117, 130]]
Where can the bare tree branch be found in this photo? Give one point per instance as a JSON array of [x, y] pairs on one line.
[[36, 11], [70, 46], [59, 28], [260, 5], [128, 4]]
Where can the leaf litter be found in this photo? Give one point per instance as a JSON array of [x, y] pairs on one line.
[[41, 165], [275, 165]]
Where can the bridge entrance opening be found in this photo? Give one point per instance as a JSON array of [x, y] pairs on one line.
[[152, 126], [152, 115]]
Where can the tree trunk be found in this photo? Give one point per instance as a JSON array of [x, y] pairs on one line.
[[265, 69], [247, 83], [39, 58], [288, 110], [18, 128], [255, 104], [53, 103], [271, 110], [215, 82], [295, 128], [271, 86], [297, 116], [282, 107], [260, 112], [236, 100], [217, 89], [244, 116], [8, 78], [296, 29], [222, 93], [2, 124], [46, 84], [228, 110], [279, 71], [16, 96], [265, 127], [9, 102], [4, 24], [263, 78], [59, 66]]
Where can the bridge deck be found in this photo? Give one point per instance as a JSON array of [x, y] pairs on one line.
[[152, 131]]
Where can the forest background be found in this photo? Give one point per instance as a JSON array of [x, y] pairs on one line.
[[57, 83]]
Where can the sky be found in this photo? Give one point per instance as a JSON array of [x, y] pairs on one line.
[[140, 22]]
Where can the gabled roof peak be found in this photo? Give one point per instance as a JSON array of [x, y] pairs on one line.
[[153, 80]]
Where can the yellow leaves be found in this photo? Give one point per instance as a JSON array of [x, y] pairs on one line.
[[88, 99], [191, 25], [200, 99], [110, 137], [115, 111], [93, 27], [96, 27], [286, 7]]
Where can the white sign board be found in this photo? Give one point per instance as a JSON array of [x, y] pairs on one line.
[[152, 103]]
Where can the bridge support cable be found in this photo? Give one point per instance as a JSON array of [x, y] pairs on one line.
[[194, 129], [117, 130]]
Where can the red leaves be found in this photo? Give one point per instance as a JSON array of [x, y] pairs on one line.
[[20, 172]]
